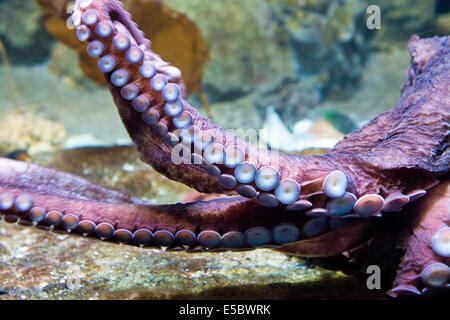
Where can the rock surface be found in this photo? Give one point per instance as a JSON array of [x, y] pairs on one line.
[[36, 264]]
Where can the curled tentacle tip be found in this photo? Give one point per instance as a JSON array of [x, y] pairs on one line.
[[95, 48], [267, 178], [288, 191], [436, 275], [369, 205], [335, 184], [285, 232], [441, 242], [245, 172], [343, 205]]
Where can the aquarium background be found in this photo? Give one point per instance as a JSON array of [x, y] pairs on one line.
[[310, 70]]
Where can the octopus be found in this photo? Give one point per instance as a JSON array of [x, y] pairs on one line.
[[386, 183]]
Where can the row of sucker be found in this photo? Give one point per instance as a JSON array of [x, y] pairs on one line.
[[437, 275], [229, 165], [21, 209]]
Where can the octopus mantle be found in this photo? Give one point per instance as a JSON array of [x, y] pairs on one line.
[[394, 170]]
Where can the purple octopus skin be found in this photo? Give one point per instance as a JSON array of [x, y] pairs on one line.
[[396, 165]]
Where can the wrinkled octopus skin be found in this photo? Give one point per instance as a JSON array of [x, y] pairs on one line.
[[395, 166]]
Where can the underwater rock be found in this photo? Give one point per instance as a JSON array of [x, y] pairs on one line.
[[83, 268], [30, 132]]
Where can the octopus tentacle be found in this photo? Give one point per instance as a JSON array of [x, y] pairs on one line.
[[31, 179], [179, 142], [230, 223], [425, 265], [302, 205]]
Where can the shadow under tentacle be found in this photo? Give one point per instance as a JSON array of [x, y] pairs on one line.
[[302, 205]]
